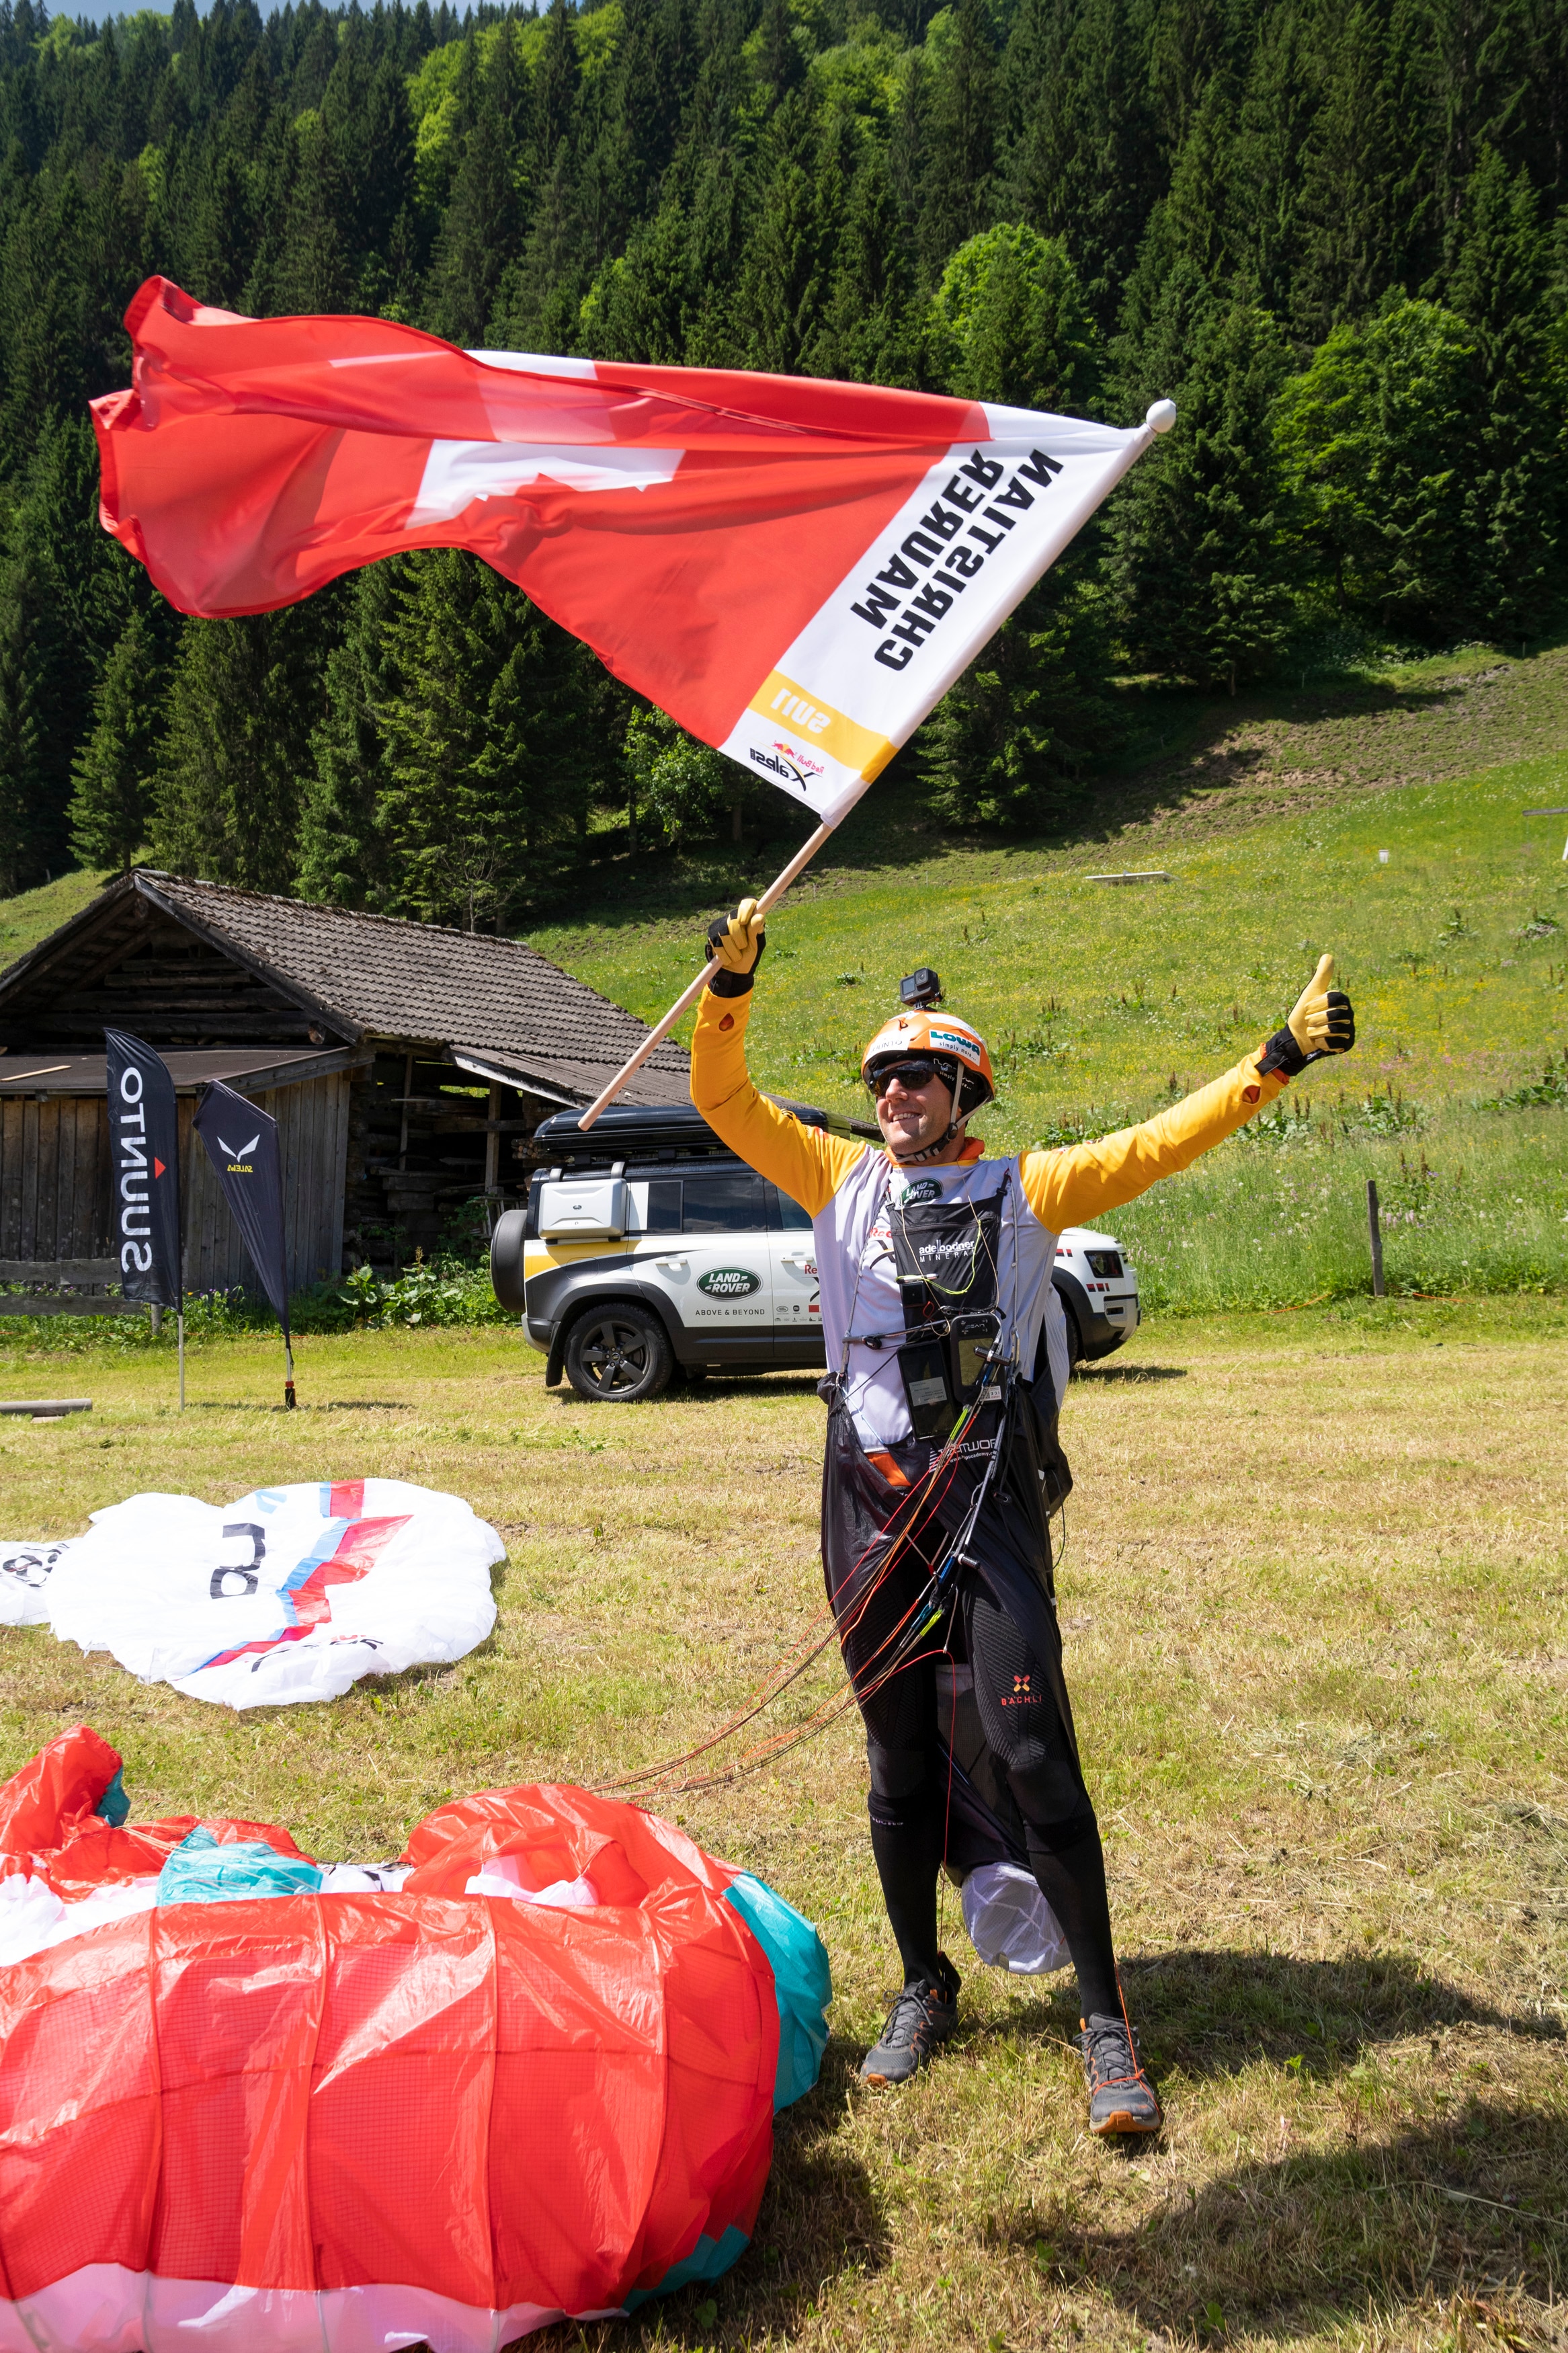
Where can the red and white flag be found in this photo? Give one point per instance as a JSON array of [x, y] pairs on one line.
[[794, 570]]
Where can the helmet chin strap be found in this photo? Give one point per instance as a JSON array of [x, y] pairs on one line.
[[929, 1152]]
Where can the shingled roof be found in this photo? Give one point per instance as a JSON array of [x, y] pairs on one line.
[[360, 976]]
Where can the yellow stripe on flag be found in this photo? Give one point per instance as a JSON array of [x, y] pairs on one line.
[[819, 727]]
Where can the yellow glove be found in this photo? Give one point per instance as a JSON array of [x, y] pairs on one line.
[[1321, 1021], [737, 942]]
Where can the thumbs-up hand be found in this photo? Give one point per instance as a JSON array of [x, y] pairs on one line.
[[1321, 1020]]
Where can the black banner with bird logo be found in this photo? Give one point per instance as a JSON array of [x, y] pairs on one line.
[[242, 1144]]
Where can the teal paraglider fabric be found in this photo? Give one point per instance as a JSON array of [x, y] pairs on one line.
[[802, 1981], [709, 2260], [203, 1871]]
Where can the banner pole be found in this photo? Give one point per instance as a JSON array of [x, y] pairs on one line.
[[180, 1328], [289, 1375], [689, 995]]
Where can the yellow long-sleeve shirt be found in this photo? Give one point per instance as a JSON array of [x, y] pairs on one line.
[[1067, 1186]]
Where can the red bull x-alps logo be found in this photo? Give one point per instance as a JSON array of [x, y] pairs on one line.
[[801, 761], [728, 1282]]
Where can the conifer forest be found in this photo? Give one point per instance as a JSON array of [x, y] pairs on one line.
[[1332, 230]]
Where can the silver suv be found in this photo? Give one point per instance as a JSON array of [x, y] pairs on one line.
[[650, 1251]]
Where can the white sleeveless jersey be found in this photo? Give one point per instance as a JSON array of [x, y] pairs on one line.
[[859, 1290]]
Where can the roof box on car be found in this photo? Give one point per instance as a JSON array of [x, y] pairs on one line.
[[631, 1132]]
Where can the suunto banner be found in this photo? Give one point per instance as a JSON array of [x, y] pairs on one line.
[[144, 1171], [242, 1144], [794, 570]]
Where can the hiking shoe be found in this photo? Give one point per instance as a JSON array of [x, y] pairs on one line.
[[1121, 2099], [922, 2016]]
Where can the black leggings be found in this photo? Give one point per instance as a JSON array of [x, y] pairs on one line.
[[1026, 1733]]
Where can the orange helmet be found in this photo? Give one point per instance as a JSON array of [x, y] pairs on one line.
[[959, 1052]]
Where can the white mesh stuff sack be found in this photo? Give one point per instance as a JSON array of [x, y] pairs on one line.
[[1010, 1923], [290, 1594]]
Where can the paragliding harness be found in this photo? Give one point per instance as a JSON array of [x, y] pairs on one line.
[[969, 1502], [983, 1475]]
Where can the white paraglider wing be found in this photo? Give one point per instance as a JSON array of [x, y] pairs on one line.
[[289, 1594]]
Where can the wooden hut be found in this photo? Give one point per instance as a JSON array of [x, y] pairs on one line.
[[406, 1065]]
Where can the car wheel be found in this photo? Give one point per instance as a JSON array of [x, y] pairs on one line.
[[617, 1354], [1075, 1338]]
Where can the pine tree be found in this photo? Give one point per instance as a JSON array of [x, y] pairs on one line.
[[1264, 180], [557, 78], [218, 241], [1358, 218], [779, 63], [488, 752], [480, 230], [314, 271], [243, 700], [343, 853], [364, 113], [871, 330], [963, 134], [540, 295], [636, 306], [63, 598], [1081, 159], [41, 318], [1516, 499], [1200, 528], [30, 785], [1199, 207], [713, 264], [782, 279], [112, 805]]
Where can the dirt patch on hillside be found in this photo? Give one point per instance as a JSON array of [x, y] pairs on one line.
[[1283, 754]]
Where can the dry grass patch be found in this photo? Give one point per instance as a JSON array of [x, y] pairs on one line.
[[1315, 1597]]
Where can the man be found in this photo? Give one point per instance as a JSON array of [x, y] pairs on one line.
[[942, 1468]]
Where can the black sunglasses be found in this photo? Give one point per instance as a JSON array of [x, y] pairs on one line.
[[913, 1073]]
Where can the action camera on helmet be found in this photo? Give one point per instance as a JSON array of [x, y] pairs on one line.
[[919, 989]]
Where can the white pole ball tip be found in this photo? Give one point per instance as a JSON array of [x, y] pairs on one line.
[[1161, 416]]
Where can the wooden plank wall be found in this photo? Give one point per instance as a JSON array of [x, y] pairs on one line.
[[54, 1178], [54, 1185], [313, 1138]]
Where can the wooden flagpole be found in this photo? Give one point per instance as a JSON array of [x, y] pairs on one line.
[[689, 996]]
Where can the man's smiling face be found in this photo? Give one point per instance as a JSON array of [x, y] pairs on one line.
[[912, 1117]]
